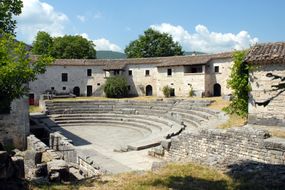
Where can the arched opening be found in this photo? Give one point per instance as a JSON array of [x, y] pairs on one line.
[[148, 90], [217, 89], [76, 91]]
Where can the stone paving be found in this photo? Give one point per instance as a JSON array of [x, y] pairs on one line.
[[100, 145]]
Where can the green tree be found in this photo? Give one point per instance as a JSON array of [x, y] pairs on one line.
[[73, 47], [238, 82], [8, 9], [42, 44], [153, 44], [116, 87], [16, 70]]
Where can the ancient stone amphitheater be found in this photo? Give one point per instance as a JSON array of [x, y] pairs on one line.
[[108, 130]]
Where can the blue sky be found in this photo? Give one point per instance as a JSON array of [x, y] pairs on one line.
[[205, 25]]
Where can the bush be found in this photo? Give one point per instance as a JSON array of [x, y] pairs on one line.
[[191, 91], [116, 87], [166, 91]]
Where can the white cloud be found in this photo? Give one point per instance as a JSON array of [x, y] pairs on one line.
[[39, 16], [103, 44], [81, 18], [206, 41]]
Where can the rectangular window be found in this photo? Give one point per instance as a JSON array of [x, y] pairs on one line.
[[193, 69], [89, 72], [130, 72], [129, 87], [217, 69], [146, 72], [64, 88], [169, 72], [64, 77]]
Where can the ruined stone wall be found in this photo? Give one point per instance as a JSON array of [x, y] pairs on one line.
[[217, 146], [15, 127], [273, 114]]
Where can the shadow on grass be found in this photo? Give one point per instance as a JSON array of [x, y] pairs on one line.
[[251, 175], [188, 182]]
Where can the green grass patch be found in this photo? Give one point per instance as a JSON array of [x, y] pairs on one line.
[[33, 109]]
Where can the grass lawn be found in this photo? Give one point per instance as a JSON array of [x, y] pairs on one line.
[[33, 109], [173, 176]]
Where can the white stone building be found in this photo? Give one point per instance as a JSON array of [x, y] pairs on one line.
[[207, 74], [267, 98]]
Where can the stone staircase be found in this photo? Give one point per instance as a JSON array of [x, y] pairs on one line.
[[155, 121]]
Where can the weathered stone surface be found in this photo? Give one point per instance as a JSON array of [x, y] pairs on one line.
[[217, 146], [41, 170], [14, 127], [57, 170], [7, 167], [19, 165], [33, 157], [166, 144]]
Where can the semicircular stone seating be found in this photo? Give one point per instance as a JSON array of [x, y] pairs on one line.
[[153, 121]]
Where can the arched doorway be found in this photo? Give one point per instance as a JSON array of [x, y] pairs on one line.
[[217, 89], [148, 90], [76, 91]]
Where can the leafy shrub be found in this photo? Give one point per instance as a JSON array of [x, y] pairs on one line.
[[116, 87], [191, 91], [166, 91]]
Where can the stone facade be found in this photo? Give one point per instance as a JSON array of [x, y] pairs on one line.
[[267, 97], [272, 114], [15, 127], [146, 76], [224, 147]]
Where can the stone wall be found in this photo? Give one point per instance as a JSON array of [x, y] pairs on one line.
[[15, 127], [180, 81], [77, 77], [273, 114], [220, 77], [138, 80], [217, 146]]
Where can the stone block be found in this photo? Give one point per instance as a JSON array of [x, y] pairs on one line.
[[7, 169], [57, 170], [166, 144]]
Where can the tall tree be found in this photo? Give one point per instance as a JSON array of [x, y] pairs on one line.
[[16, 70], [73, 47], [42, 44], [8, 9], [153, 44]]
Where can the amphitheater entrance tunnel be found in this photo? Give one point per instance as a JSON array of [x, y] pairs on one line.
[[76, 91], [148, 90], [217, 89]]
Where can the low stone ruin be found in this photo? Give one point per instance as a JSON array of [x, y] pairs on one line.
[[11, 171]]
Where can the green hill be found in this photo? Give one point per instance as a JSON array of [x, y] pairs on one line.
[[105, 54], [110, 55], [193, 53]]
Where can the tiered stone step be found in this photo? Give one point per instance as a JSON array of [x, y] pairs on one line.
[[156, 120], [159, 127]]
